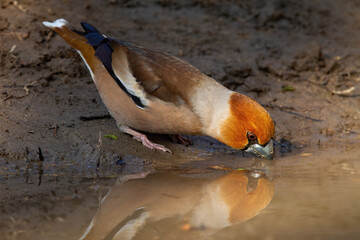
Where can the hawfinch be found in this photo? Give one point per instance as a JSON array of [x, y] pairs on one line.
[[178, 204], [151, 91]]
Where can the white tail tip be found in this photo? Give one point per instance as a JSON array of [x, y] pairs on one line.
[[56, 24]]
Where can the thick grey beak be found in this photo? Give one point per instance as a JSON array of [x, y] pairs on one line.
[[259, 151]]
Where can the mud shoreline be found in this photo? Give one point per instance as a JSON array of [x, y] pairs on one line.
[[301, 61]]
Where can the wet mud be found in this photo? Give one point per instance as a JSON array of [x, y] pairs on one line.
[[300, 60]]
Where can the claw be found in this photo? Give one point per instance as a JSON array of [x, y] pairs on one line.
[[143, 139], [149, 144], [180, 139]]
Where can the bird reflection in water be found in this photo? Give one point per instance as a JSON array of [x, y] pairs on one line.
[[166, 206]]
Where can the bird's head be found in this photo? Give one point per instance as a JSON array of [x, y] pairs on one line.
[[248, 127]]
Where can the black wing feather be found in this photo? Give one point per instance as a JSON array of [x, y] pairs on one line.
[[103, 51]]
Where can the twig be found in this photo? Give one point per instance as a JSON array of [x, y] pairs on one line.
[[12, 48], [41, 157], [281, 108], [55, 127], [40, 166], [344, 93], [286, 110], [96, 117], [19, 35], [27, 90], [303, 116], [101, 152], [19, 6]]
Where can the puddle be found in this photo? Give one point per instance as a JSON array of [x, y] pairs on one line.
[[311, 195], [162, 204]]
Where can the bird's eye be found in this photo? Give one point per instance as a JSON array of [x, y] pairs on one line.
[[252, 137]]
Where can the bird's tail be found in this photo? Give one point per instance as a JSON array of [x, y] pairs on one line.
[[84, 42], [74, 38]]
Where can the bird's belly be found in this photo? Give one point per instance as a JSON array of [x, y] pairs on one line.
[[158, 117]]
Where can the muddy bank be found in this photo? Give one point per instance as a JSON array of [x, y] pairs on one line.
[[299, 60]]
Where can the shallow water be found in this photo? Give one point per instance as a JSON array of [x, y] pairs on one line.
[[316, 197], [314, 194]]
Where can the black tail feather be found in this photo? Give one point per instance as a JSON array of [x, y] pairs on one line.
[[94, 37], [88, 27]]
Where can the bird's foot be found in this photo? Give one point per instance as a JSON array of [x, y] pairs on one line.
[[149, 144], [180, 139], [143, 139]]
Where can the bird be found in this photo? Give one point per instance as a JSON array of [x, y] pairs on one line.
[[179, 207], [147, 90]]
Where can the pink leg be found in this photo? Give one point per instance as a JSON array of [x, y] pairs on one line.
[[180, 139], [143, 139]]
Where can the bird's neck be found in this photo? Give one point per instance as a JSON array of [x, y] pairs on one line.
[[211, 211], [211, 104]]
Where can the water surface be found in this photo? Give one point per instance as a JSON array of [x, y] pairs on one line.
[[312, 194]]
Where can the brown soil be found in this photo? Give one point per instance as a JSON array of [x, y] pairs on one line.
[[299, 60]]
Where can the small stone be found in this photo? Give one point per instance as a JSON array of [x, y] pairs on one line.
[[119, 161]]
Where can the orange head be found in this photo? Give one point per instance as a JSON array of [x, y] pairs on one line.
[[248, 127], [243, 198]]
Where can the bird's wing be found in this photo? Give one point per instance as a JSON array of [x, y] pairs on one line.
[[156, 73], [143, 73]]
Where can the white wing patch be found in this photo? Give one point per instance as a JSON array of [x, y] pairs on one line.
[[121, 69]]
